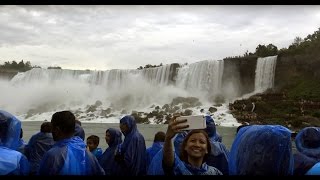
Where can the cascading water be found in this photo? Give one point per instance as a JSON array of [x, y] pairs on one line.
[[203, 78], [41, 92], [265, 73]]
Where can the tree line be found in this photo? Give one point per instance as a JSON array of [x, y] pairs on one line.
[[13, 65], [22, 66], [149, 66]]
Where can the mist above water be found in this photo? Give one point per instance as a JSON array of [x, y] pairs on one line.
[[45, 91]]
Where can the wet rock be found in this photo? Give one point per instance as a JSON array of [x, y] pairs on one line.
[[187, 112], [212, 109], [124, 111], [91, 108], [98, 103]]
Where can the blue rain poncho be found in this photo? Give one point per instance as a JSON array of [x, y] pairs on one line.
[[182, 168], [133, 149], [152, 151], [155, 166], [13, 128], [21, 146], [97, 152], [211, 130], [107, 161], [179, 167], [314, 170], [219, 157], [178, 141], [38, 145], [79, 131], [308, 146], [261, 150], [13, 162], [70, 157]]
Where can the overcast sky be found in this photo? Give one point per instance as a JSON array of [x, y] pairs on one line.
[[125, 37]]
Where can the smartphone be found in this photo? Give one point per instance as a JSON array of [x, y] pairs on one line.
[[194, 122]]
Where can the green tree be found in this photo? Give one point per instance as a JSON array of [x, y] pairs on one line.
[[21, 65], [269, 50], [297, 41]]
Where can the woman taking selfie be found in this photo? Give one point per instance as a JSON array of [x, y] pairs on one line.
[[194, 150]]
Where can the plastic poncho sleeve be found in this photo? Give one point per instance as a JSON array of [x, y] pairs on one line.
[[11, 139], [152, 151], [13, 162], [315, 170], [155, 166], [70, 157]]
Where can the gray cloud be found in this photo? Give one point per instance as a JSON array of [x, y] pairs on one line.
[[117, 37]]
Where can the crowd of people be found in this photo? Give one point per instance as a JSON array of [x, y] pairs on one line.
[[59, 148]]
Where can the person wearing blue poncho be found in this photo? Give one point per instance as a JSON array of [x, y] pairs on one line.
[[131, 154], [261, 150], [68, 156], [195, 148], [218, 157], [210, 129], [12, 162], [92, 146], [156, 146], [307, 159], [38, 145], [79, 131], [155, 166], [107, 162], [22, 143]]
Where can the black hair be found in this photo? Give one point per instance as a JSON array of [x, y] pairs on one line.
[[21, 133], [159, 137], [3, 125], [46, 127], [94, 138], [65, 120], [241, 126]]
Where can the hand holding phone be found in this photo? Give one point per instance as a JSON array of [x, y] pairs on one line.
[[194, 122]]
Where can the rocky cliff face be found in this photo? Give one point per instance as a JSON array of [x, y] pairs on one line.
[[289, 67], [240, 71], [295, 100]]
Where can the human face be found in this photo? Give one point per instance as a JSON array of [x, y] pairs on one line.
[[196, 146], [108, 137], [91, 145], [124, 128]]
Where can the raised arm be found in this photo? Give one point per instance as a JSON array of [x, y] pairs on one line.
[[174, 127]]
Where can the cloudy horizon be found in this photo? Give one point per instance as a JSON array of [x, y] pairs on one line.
[[129, 36]]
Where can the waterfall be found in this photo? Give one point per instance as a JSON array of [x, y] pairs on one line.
[[49, 90], [265, 70], [201, 78], [52, 89]]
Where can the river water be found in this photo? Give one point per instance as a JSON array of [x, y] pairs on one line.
[[147, 130]]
